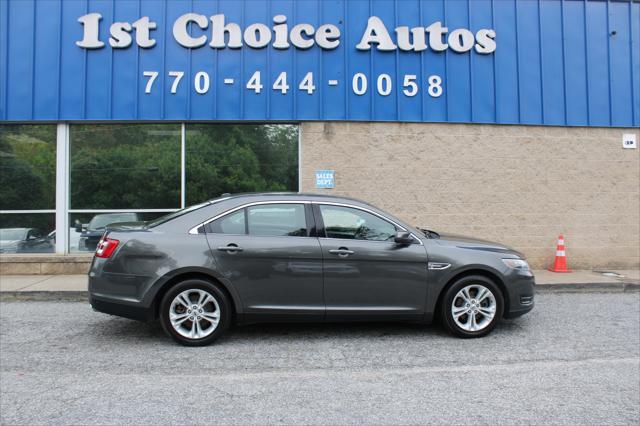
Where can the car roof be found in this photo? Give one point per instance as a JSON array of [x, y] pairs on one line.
[[294, 195]]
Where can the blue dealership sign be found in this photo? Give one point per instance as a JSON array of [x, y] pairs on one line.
[[325, 179], [470, 61]]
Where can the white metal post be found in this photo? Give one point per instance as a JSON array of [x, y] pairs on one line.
[[183, 162], [62, 188], [299, 157]]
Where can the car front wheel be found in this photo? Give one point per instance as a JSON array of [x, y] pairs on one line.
[[195, 312], [472, 307]]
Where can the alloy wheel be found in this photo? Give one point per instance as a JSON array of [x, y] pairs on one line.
[[194, 313], [474, 308]]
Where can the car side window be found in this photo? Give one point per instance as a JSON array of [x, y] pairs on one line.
[[233, 223], [355, 224], [278, 220], [34, 233]]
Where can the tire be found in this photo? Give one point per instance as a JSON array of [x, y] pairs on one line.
[[474, 317], [207, 302]]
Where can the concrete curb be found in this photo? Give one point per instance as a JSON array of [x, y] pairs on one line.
[[44, 296], [83, 296], [588, 287]]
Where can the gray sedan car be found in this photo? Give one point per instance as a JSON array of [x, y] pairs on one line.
[[301, 257]]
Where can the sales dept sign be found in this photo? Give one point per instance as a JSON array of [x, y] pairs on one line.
[[325, 179], [198, 31]]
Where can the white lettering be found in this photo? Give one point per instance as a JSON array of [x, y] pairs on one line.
[[298, 40], [461, 40], [280, 31], [376, 33], [218, 31], [120, 37], [91, 24], [257, 36], [436, 31], [181, 30], [143, 27], [485, 41], [282, 36], [328, 36], [419, 41]]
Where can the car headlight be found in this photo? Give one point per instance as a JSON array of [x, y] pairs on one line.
[[516, 264]]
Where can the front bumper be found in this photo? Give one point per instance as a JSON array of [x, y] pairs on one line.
[[521, 290]]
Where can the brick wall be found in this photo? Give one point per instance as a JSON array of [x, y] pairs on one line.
[[521, 185]]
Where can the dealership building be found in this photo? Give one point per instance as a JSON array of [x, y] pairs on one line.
[[509, 120]]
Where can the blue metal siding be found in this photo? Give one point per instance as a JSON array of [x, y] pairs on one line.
[[557, 62]]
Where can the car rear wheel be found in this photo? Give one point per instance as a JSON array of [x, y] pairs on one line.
[[195, 312], [472, 307]]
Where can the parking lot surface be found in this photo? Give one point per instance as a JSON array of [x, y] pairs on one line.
[[574, 359]]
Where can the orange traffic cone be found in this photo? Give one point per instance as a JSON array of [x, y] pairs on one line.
[[560, 265]]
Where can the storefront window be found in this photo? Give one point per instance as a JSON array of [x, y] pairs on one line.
[[239, 158], [27, 233], [125, 166], [129, 172], [27, 167], [27, 188]]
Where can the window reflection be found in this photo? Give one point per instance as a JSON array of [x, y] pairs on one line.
[[27, 233], [86, 229], [27, 166], [349, 223], [125, 166], [236, 158]]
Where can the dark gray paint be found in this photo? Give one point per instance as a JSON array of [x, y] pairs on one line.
[[281, 278]]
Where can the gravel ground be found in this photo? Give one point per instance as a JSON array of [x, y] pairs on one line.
[[575, 359]]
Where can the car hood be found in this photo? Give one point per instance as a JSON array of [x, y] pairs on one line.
[[9, 246], [470, 243]]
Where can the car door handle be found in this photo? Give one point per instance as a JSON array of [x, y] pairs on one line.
[[230, 249], [342, 252]]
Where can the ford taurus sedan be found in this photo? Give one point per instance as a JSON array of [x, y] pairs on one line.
[[294, 257]]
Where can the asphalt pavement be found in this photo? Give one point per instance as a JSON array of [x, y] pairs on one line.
[[575, 359]]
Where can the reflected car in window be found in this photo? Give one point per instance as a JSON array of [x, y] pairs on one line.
[[92, 232], [301, 257], [25, 240]]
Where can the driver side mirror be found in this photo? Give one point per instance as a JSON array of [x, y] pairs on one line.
[[403, 237]]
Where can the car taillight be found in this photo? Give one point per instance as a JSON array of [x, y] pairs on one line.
[[106, 247]]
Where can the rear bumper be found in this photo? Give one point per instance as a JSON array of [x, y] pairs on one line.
[[120, 308], [120, 295]]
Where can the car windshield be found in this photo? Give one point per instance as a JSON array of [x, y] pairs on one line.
[[9, 234], [102, 220]]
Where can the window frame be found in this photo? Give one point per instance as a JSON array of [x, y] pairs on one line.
[[323, 234], [304, 212], [308, 215]]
